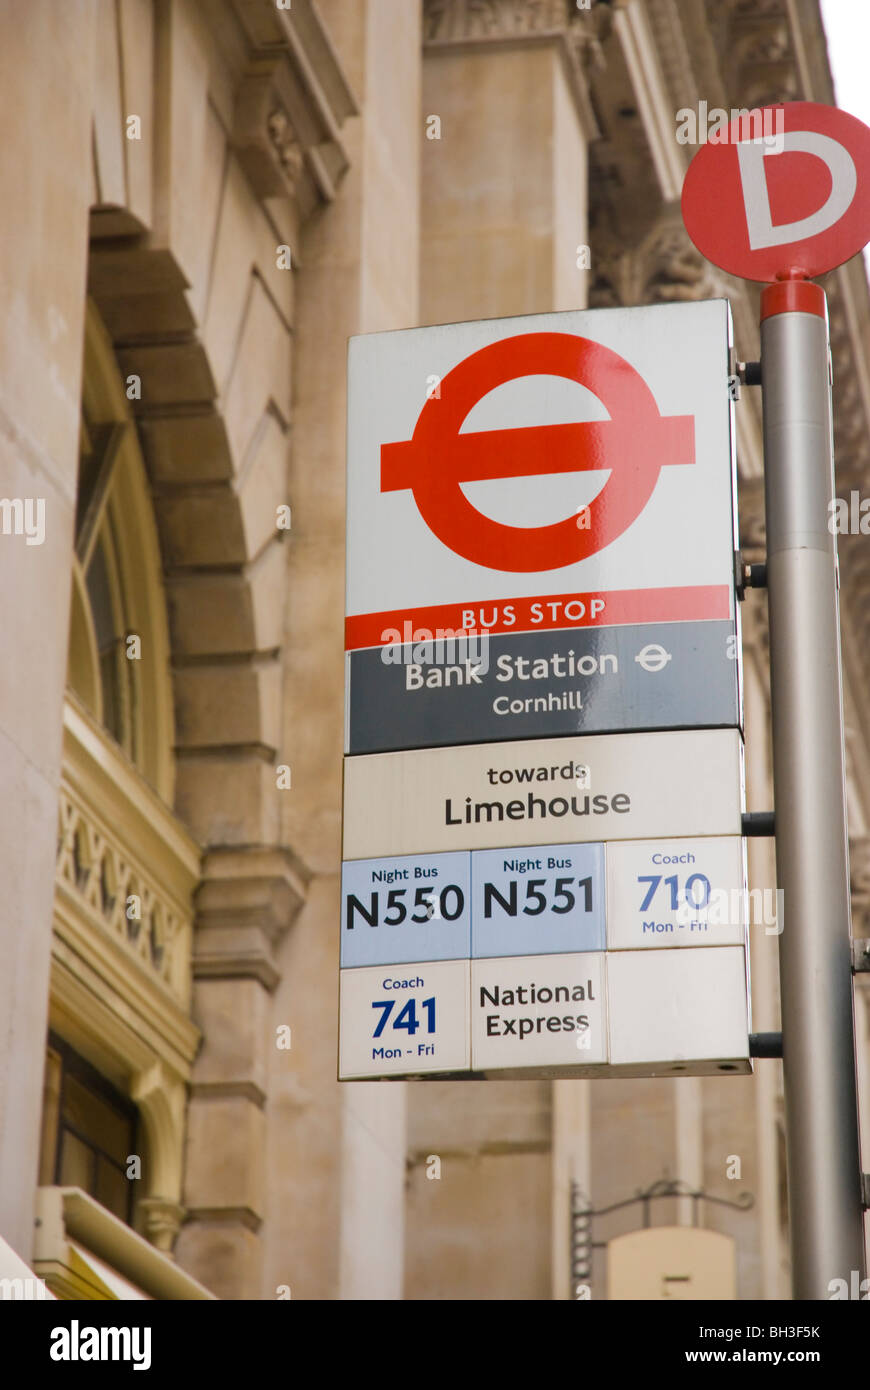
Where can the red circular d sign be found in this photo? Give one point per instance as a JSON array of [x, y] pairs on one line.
[[784, 191]]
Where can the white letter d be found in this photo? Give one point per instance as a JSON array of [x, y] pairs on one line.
[[751, 155]]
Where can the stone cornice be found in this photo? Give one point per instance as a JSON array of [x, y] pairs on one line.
[[643, 59], [757, 54], [686, 53], [578, 34], [673, 53], [459, 21], [291, 104], [245, 903]]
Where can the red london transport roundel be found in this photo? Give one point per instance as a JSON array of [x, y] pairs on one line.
[[633, 446], [783, 192]]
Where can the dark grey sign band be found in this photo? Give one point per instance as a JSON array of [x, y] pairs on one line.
[[613, 679]]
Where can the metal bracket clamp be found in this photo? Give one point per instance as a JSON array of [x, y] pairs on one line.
[[758, 823], [749, 373], [861, 955]]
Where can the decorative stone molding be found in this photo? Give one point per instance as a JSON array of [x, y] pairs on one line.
[[159, 1093], [670, 269], [288, 150], [668, 158], [580, 35], [665, 268], [487, 21], [120, 989], [162, 1220], [125, 867], [761, 65], [94, 866], [264, 137], [685, 74], [452, 21], [291, 104], [245, 903]]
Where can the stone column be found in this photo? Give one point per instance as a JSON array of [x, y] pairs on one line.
[[245, 901], [504, 158], [336, 1152], [45, 188]]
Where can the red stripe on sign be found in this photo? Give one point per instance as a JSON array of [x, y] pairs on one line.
[[703, 601]]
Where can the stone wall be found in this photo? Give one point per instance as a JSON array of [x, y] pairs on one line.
[[45, 189]]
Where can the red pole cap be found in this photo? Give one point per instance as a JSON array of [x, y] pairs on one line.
[[793, 297]]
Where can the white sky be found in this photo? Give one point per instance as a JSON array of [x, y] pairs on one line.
[[847, 28]]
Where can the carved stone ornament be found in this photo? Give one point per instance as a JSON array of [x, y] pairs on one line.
[[463, 21], [762, 65], [287, 148], [162, 1218], [265, 140], [665, 268], [485, 19]]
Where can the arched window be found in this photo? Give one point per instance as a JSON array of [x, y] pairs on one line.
[[119, 647], [121, 1038]]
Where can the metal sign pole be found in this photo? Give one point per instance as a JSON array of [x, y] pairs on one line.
[[824, 1178]]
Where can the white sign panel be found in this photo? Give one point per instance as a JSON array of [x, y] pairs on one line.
[[547, 792], [544, 899], [409, 908], [658, 1012], [675, 1009], [676, 893], [550, 470], [404, 1020], [544, 1011], [541, 528]]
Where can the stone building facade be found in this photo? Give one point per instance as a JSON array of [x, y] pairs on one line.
[[202, 202]]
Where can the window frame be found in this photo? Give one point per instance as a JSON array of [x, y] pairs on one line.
[[76, 1067]]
